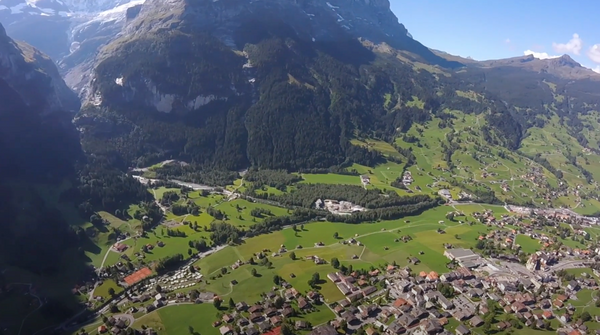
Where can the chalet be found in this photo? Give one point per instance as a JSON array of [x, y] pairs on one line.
[[396, 328], [303, 304], [263, 327], [255, 317], [349, 317], [313, 296], [271, 312], [371, 331], [251, 331], [475, 293], [547, 315], [287, 312], [300, 325], [573, 285], [399, 302], [225, 330], [255, 308], [338, 309], [476, 321], [369, 290], [431, 296], [518, 307], [276, 320], [243, 322], [462, 330], [227, 318], [324, 330], [445, 303], [407, 320], [241, 306], [419, 313]]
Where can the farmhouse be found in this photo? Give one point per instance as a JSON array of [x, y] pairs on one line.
[[120, 247]]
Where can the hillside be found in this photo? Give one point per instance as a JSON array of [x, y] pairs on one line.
[[294, 93]]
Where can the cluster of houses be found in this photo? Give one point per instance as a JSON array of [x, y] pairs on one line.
[[115, 326], [338, 207], [407, 178], [353, 286], [269, 313]]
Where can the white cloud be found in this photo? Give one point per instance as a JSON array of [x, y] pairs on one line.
[[507, 41], [594, 53], [596, 69], [573, 46], [539, 55]]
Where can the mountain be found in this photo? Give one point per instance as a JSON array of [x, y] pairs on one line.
[[215, 66], [42, 23], [297, 84], [69, 30], [39, 148]]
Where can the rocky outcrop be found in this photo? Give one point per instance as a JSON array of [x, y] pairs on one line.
[[35, 77]]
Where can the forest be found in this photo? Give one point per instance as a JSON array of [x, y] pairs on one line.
[[305, 195]]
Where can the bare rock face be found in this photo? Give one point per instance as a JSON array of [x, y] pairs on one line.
[[35, 77]]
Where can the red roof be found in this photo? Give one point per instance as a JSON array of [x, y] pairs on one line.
[[274, 331], [138, 276], [400, 302]]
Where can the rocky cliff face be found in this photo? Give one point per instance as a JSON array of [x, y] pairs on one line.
[[37, 137], [238, 22], [35, 77]]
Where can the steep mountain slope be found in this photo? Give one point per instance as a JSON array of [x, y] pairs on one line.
[[245, 60], [30, 71], [292, 84], [38, 149]]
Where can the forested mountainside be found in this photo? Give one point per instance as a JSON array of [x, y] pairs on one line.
[[259, 91]]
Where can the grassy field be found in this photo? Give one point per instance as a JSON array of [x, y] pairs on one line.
[[528, 244], [376, 238], [102, 290]]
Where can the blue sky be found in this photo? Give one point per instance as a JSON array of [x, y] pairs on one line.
[[492, 29]]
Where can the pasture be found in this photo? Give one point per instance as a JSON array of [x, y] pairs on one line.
[[102, 290], [528, 244], [379, 247]]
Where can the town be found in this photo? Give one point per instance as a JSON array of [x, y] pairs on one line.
[[490, 288]]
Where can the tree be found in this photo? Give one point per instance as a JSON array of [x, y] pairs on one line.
[[254, 272], [158, 289], [279, 302], [231, 303], [217, 303], [585, 316], [335, 263], [114, 308], [336, 235], [277, 280], [293, 255], [191, 330], [111, 291], [286, 329], [223, 270]]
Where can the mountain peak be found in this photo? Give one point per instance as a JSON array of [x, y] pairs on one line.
[[565, 60]]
